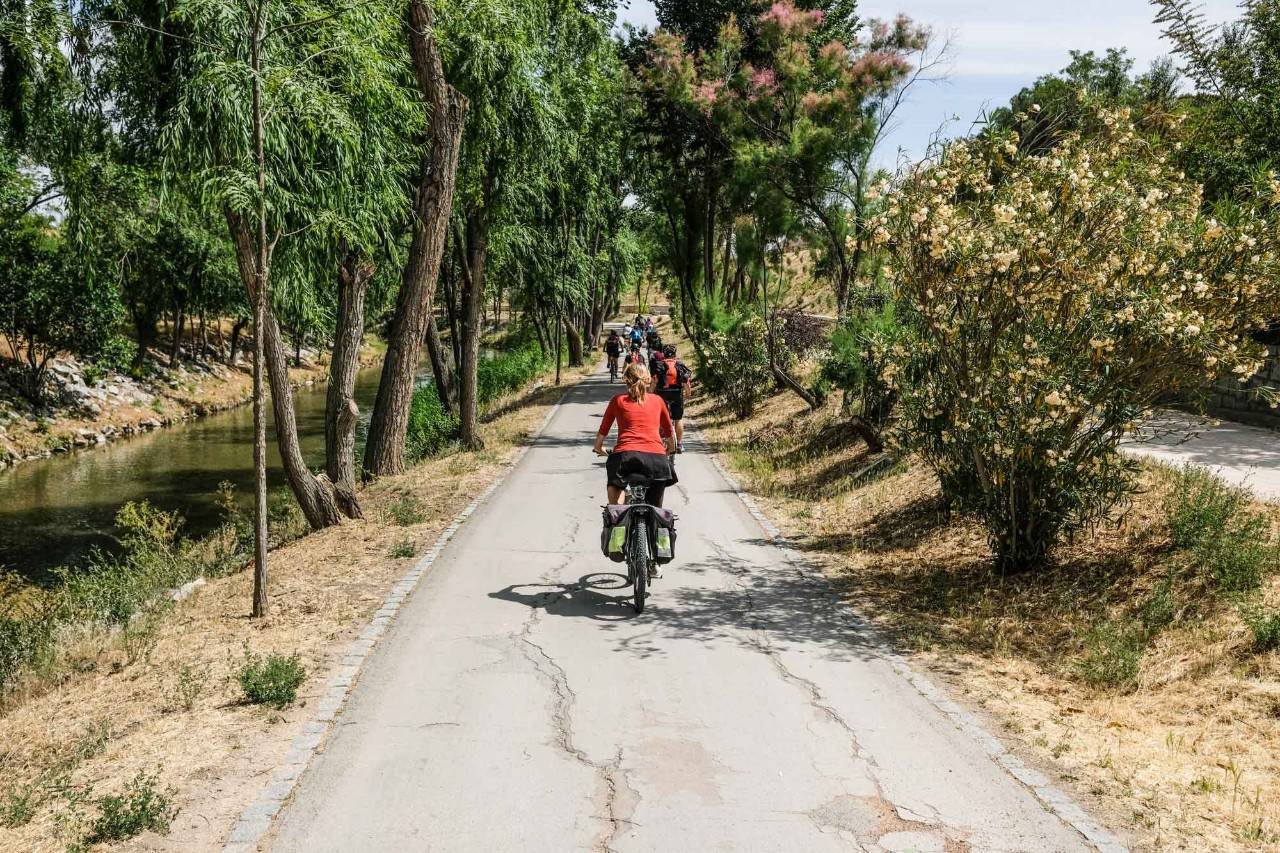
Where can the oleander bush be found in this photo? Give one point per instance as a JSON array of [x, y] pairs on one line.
[[1053, 299]]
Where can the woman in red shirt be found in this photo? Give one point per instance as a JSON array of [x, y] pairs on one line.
[[646, 437]]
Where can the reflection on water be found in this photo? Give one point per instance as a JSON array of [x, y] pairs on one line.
[[54, 510]]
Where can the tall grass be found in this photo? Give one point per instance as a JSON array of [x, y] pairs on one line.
[[1216, 526], [111, 592]]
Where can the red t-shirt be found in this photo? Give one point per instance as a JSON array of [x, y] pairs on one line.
[[641, 424]]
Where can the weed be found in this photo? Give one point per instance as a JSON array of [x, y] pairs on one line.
[[273, 680], [1265, 625], [404, 549], [1159, 610], [407, 510], [18, 807], [139, 638], [187, 687], [1213, 522], [136, 809], [1113, 654], [1205, 785]]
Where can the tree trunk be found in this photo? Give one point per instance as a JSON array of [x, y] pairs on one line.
[[175, 347], [314, 496], [575, 344], [144, 324], [341, 413], [384, 452], [441, 368], [473, 272], [447, 279], [236, 328]]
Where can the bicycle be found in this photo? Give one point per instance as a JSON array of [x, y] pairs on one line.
[[613, 368], [641, 565]]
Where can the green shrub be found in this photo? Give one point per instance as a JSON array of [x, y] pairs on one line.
[[508, 372], [273, 680], [431, 428], [733, 361], [859, 363], [1043, 323], [1160, 609], [138, 808], [1265, 625], [25, 638], [1215, 523], [117, 353], [1113, 654], [406, 511], [403, 549], [18, 806], [188, 685]]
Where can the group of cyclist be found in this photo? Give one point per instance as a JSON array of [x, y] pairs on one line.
[[649, 414]]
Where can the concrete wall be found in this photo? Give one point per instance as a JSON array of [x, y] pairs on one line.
[[1233, 400]]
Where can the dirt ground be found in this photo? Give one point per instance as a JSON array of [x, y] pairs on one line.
[[1188, 759], [110, 717]]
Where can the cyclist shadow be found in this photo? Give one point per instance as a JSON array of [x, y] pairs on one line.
[[590, 597]]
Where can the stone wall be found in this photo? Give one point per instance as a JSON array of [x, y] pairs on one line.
[[1233, 400]]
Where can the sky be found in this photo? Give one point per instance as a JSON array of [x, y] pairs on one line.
[[998, 47]]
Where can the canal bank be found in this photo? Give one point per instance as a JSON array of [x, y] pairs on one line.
[[54, 510]]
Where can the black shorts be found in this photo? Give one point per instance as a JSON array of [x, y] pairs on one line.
[[674, 398], [656, 466]]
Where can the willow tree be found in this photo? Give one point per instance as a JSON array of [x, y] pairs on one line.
[[266, 102], [432, 205]]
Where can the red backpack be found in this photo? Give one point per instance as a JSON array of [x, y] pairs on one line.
[[672, 378]]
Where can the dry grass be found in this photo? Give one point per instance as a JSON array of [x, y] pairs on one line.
[[1186, 759], [104, 718]]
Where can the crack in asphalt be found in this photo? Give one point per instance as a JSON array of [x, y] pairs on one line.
[[610, 775], [758, 639]]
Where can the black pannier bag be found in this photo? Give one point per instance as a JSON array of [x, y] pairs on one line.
[[664, 535], [613, 537]]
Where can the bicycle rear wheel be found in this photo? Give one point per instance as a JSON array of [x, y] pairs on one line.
[[638, 564]]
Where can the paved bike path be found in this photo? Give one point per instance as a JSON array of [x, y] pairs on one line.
[[519, 704]]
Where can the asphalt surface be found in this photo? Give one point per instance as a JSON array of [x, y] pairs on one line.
[[519, 704]]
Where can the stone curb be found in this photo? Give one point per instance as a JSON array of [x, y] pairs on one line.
[[1052, 798], [255, 821]]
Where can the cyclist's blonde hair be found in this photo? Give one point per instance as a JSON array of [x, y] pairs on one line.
[[637, 378]]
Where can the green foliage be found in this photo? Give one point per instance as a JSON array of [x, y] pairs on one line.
[[273, 680], [140, 807], [733, 360], [406, 510], [18, 806], [404, 549], [110, 589], [1161, 608], [189, 683], [50, 305], [431, 429], [509, 372], [1113, 654], [859, 360], [1214, 523], [1265, 625], [1016, 385]]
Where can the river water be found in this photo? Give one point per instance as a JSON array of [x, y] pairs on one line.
[[53, 511]]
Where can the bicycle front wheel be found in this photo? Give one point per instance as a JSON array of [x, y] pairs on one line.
[[638, 563]]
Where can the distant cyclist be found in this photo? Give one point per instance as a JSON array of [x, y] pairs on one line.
[[645, 438], [613, 346], [653, 341], [637, 333], [671, 377], [635, 357]]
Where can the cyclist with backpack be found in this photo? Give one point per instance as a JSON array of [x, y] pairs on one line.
[[613, 347], [671, 377], [637, 334], [635, 356]]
